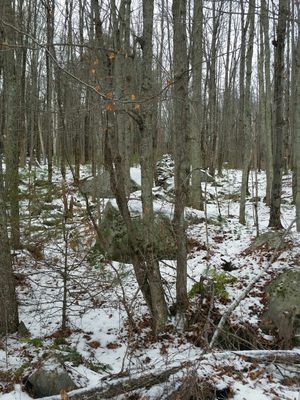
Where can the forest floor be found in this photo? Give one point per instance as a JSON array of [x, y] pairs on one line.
[[108, 336]]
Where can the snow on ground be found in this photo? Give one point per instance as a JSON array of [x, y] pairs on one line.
[[103, 296]]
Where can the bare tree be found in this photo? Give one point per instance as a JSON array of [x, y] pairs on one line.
[[297, 126], [246, 116], [196, 106], [182, 166], [8, 309], [279, 126], [11, 121], [267, 106]]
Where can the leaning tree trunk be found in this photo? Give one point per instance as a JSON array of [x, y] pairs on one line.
[[180, 61], [279, 127]]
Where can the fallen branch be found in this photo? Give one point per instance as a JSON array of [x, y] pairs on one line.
[[146, 381], [116, 389], [270, 356]]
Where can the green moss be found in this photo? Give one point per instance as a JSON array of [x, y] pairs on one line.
[[36, 342], [59, 341], [18, 373], [71, 355], [215, 284], [220, 280], [98, 367]]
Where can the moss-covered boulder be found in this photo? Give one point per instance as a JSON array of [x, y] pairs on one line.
[[117, 245], [269, 240], [99, 186], [283, 307]]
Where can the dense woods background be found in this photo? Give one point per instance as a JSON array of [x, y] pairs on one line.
[[113, 83]]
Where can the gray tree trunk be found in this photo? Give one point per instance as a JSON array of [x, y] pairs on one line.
[[8, 308], [196, 107], [279, 125], [247, 115], [297, 129], [267, 100], [180, 62], [10, 127], [159, 307]]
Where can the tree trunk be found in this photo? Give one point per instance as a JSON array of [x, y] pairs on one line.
[[267, 100], [247, 116], [297, 129], [8, 309], [196, 107], [147, 127], [10, 127], [278, 116], [180, 61]]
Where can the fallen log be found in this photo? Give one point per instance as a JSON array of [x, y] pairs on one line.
[[116, 389], [146, 381]]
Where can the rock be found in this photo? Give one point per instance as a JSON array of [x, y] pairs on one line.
[[206, 177], [99, 186], [113, 228], [165, 175], [23, 330], [50, 379], [283, 312], [270, 240]]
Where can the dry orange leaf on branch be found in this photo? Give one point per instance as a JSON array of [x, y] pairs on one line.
[[109, 107]]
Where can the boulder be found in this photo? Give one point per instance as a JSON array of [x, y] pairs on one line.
[[270, 240], [99, 186], [117, 247], [283, 308], [49, 379], [206, 177]]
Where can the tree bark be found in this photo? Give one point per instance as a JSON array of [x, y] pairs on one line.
[[279, 125], [247, 115], [297, 129], [196, 199], [147, 127], [182, 167], [267, 100], [8, 308], [10, 126]]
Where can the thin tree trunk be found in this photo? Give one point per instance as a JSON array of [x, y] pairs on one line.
[[247, 116], [268, 100], [297, 127]]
